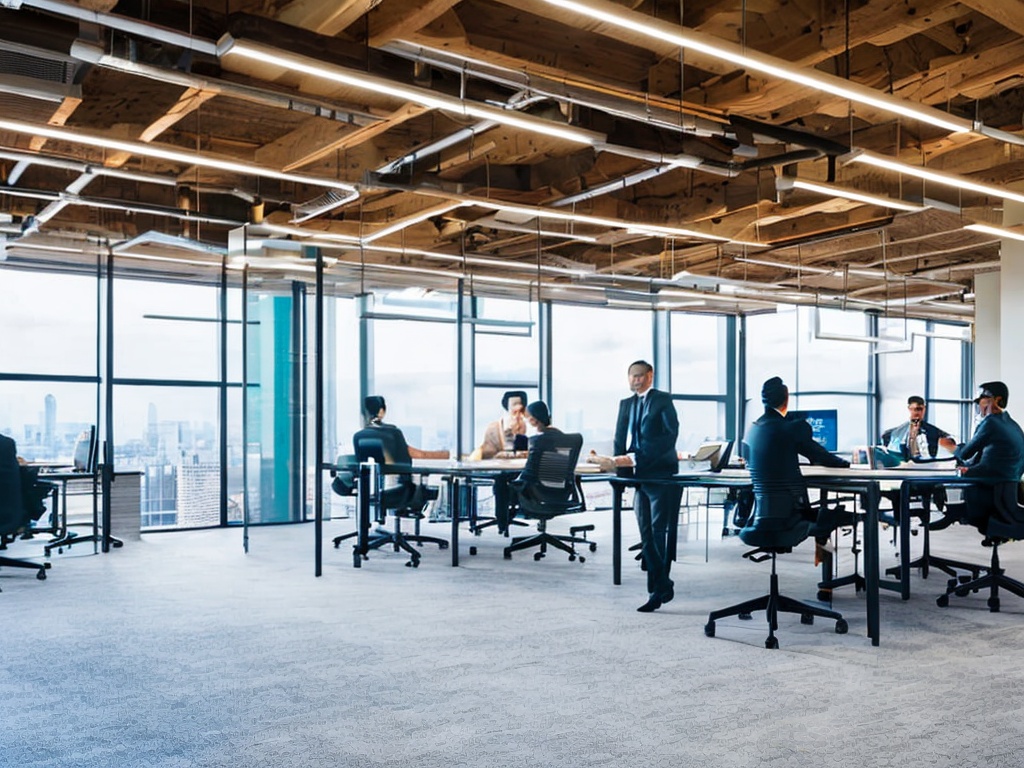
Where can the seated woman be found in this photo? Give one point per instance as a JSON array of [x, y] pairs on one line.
[[376, 410], [500, 437]]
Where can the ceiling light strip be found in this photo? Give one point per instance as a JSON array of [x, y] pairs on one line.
[[611, 14], [172, 155], [228, 46], [939, 177], [784, 183]]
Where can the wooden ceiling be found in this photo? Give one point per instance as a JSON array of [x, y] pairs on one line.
[[575, 145]]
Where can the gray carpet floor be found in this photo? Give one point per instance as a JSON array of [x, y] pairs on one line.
[[181, 650]]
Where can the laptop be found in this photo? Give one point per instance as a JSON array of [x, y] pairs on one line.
[[715, 453]]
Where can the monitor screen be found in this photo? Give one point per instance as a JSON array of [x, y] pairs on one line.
[[824, 425], [83, 452]]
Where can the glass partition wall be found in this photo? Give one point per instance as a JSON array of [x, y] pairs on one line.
[[442, 361]]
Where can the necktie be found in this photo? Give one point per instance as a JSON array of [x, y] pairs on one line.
[[634, 427]]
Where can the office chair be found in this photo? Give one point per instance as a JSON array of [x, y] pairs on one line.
[[345, 484], [921, 512], [775, 528], [997, 532], [85, 468], [15, 513], [386, 446], [547, 489]]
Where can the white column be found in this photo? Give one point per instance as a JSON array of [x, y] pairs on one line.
[[986, 327], [1011, 310]]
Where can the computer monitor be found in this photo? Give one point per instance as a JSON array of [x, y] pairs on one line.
[[824, 424], [84, 447]]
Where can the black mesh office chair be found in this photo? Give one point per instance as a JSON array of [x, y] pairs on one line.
[[547, 489], [775, 527], [15, 513], [998, 532], [406, 501], [345, 483]]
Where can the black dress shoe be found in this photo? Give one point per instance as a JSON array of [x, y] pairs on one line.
[[666, 597], [650, 606]]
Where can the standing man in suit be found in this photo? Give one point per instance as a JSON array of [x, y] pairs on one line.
[[645, 447]]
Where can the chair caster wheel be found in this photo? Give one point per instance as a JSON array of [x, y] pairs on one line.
[[709, 629], [993, 603], [842, 627], [771, 642], [942, 601], [583, 559], [413, 564], [472, 550], [965, 579], [41, 575], [951, 583], [744, 616], [824, 595], [538, 555], [961, 592], [442, 545], [508, 554], [593, 546], [572, 558], [806, 618]]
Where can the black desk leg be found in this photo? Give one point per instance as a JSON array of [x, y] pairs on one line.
[[871, 498], [904, 532], [455, 494], [363, 520], [616, 534]]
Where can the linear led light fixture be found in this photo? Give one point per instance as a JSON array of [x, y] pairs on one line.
[[173, 155], [597, 221], [229, 46], [786, 183], [409, 221], [1011, 234], [743, 58], [939, 177]]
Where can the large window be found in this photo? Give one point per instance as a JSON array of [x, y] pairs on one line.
[[592, 349]]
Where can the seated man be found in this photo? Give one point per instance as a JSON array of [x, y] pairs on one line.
[[916, 438], [994, 455], [503, 438], [774, 444]]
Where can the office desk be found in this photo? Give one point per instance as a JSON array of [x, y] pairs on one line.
[[864, 482], [457, 475]]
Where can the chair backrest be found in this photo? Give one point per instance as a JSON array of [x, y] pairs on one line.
[[344, 483], [85, 455], [12, 511], [1007, 497], [549, 480], [384, 444]]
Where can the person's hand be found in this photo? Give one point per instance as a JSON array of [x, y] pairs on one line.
[[605, 463]]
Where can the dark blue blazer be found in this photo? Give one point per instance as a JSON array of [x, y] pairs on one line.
[[996, 452], [659, 428], [774, 445]]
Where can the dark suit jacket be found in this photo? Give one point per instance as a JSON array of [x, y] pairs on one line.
[[11, 507], [774, 445], [659, 428], [996, 452]]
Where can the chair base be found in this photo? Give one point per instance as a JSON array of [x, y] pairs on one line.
[[772, 604], [993, 580], [543, 540], [950, 567], [39, 568]]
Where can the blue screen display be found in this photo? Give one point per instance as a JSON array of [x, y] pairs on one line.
[[824, 424]]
